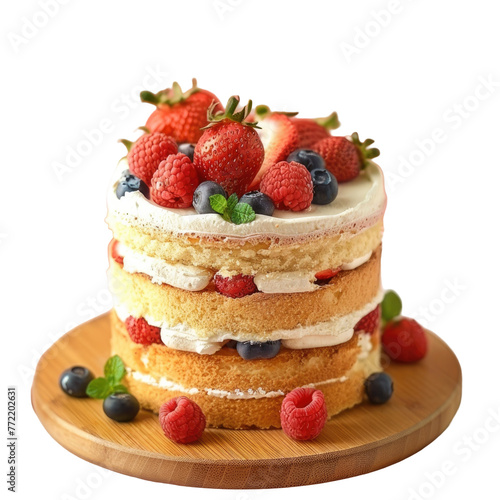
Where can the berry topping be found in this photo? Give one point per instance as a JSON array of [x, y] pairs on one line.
[[141, 332], [404, 340], [289, 185], [129, 183], [313, 130], [230, 151], [180, 115], [115, 253], [379, 388], [279, 136], [121, 406], [260, 202], [187, 148], [369, 323], [327, 274], [391, 305], [75, 380], [182, 420], [201, 197], [174, 183], [303, 413], [231, 344], [325, 187], [235, 286], [307, 157], [345, 156], [147, 153], [258, 350]]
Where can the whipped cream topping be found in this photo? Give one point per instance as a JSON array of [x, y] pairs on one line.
[[364, 342], [356, 262], [189, 278], [359, 204], [337, 330]]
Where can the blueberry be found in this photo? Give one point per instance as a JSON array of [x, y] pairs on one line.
[[307, 157], [201, 197], [187, 149], [260, 202], [325, 185], [231, 344], [121, 406], [258, 350], [129, 183], [379, 388], [74, 381]]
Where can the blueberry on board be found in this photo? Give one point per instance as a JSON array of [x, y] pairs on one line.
[[260, 202], [307, 157], [187, 149], [379, 388], [325, 186], [121, 406], [129, 183], [201, 197], [258, 350], [74, 381]]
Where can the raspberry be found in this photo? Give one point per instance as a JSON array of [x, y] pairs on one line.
[[148, 152], [289, 185], [175, 182], [369, 323], [182, 420], [235, 286], [327, 274], [404, 340], [303, 413], [115, 254], [141, 332]]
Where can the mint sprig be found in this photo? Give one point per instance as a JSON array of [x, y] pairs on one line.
[[391, 305], [102, 387], [231, 210]]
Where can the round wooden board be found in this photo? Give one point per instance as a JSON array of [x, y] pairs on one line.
[[366, 438]]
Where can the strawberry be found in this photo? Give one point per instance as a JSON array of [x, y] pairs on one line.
[[178, 114], [404, 340], [327, 274], [345, 157], [312, 130], [369, 323], [230, 151], [235, 286], [279, 136]]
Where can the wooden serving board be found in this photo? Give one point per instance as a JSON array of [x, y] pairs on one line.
[[426, 397]]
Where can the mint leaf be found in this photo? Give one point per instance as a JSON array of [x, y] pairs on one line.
[[99, 388], [114, 370], [391, 305], [242, 213], [232, 202], [120, 388], [218, 203]]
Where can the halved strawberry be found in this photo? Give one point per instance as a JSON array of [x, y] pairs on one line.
[[312, 130]]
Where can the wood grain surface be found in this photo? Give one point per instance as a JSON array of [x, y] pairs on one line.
[[426, 397]]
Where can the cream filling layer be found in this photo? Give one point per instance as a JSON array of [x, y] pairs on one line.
[[337, 330], [359, 204], [163, 383], [194, 278]]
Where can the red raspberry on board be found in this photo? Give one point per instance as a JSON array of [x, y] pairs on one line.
[[141, 332], [303, 413], [235, 286], [182, 420], [289, 185], [404, 340], [175, 182], [146, 154], [369, 323]]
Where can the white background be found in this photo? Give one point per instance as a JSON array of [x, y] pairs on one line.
[[419, 69]]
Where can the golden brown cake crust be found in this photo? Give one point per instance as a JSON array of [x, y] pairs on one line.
[[259, 314]]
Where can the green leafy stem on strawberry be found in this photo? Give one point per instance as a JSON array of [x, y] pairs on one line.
[[171, 96]]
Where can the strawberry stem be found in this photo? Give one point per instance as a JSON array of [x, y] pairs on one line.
[[365, 152], [169, 97], [230, 113], [330, 122]]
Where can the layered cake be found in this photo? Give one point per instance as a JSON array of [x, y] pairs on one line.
[[245, 259]]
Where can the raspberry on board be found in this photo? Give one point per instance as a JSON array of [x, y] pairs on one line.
[[182, 420]]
